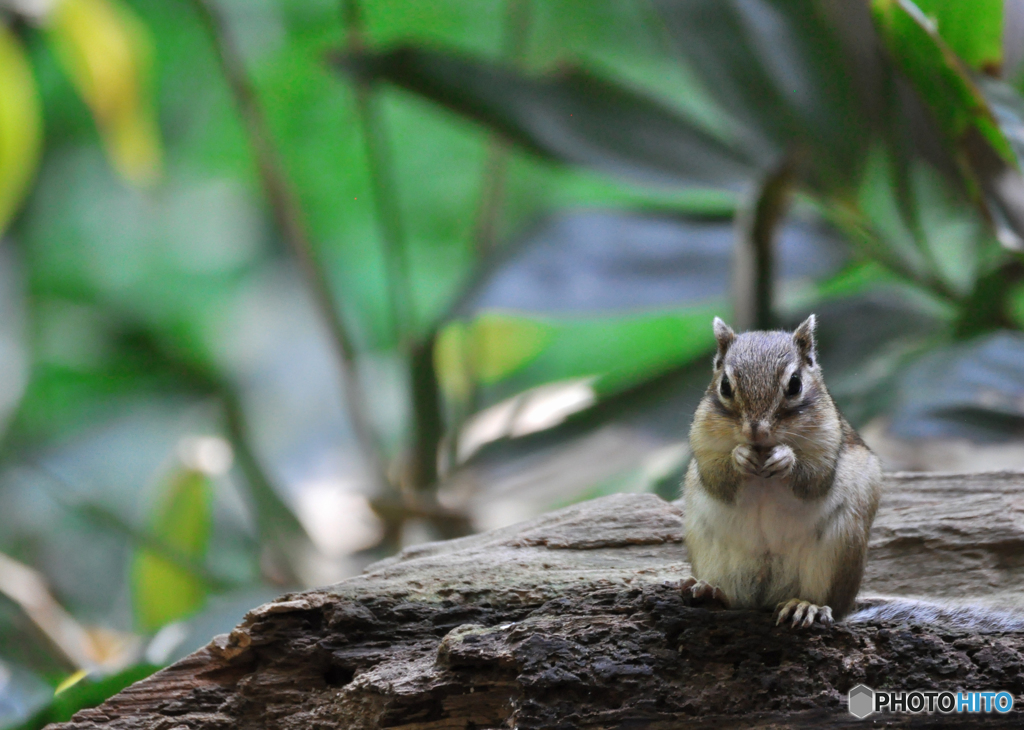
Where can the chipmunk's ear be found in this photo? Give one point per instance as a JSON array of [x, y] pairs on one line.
[[803, 338], [725, 336]]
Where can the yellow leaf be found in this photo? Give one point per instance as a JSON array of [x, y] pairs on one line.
[[501, 344], [107, 52], [163, 589], [71, 681], [452, 363], [20, 126]]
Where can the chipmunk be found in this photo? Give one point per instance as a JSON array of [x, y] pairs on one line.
[[781, 492]]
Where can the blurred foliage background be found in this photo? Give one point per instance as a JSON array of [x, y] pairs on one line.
[[287, 285]]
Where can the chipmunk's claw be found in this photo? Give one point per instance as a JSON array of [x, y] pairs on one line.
[[747, 460], [802, 614], [701, 591]]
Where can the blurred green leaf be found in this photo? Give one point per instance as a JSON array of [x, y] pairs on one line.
[[60, 401], [972, 390], [571, 116], [163, 591], [1008, 107], [1015, 305], [626, 351], [778, 67], [951, 229], [109, 520], [974, 30], [20, 125], [869, 327], [594, 370], [936, 236], [587, 261], [98, 372], [618, 351], [85, 694], [938, 74], [1006, 187], [990, 167], [878, 201], [620, 296]]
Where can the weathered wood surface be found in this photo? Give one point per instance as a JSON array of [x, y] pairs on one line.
[[571, 621]]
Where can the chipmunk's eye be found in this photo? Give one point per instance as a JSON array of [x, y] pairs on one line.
[[794, 386], [725, 387]]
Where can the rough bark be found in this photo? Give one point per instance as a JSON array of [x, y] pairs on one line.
[[572, 621]]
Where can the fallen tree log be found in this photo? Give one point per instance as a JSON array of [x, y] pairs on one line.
[[573, 620]]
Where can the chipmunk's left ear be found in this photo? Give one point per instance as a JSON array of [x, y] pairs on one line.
[[725, 336], [803, 337]]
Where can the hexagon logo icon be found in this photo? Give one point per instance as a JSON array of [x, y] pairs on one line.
[[861, 701]]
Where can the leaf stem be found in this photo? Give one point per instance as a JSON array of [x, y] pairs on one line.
[[289, 219], [428, 422], [385, 191], [420, 474], [517, 24], [282, 536], [754, 258]]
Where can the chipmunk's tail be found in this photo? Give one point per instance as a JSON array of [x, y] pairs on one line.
[[952, 615]]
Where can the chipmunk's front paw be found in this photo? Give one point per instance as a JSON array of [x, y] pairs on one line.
[[701, 591], [747, 460], [802, 614], [780, 462]]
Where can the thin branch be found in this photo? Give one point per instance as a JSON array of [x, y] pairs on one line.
[[449, 523], [428, 423], [517, 25], [288, 216], [420, 472], [518, 20], [385, 191], [754, 262], [492, 196], [282, 536]]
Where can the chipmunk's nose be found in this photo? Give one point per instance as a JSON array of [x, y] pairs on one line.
[[757, 433]]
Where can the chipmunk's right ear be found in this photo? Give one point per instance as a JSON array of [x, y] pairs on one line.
[[725, 337]]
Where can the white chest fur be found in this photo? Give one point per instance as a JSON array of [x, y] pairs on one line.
[[767, 517], [764, 547]]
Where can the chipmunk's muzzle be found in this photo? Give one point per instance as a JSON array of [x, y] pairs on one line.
[[758, 434]]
